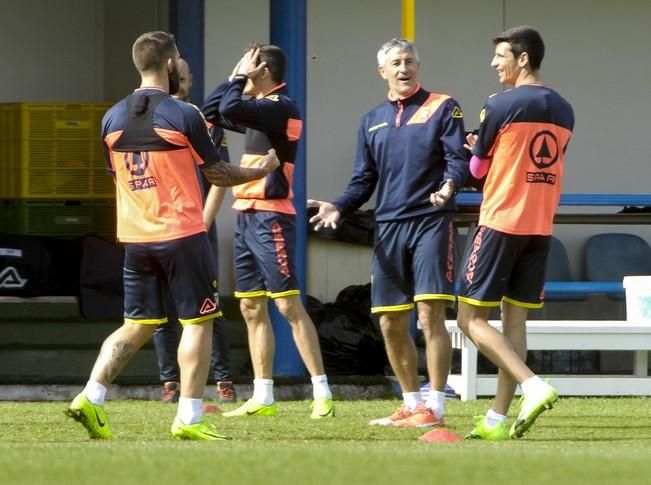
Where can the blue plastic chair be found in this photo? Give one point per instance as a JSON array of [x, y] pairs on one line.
[[611, 256], [558, 263], [559, 283]]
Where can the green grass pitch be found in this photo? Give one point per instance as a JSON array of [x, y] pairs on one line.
[[581, 441]]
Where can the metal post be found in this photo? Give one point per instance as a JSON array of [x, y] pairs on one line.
[[187, 20], [288, 31]]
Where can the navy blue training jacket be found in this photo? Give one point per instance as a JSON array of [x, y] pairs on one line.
[[407, 149]]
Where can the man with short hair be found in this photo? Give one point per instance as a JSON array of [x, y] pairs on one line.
[[520, 149], [152, 143], [166, 336], [265, 234], [408, 147]]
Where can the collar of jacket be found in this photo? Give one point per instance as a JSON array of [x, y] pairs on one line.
[[417, 97]]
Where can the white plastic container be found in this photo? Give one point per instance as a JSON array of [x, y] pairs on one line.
[[638, 298]]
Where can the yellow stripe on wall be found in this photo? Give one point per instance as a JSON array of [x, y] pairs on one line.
[[408, 19]]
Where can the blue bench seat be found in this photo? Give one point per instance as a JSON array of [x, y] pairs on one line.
[[580, 290]]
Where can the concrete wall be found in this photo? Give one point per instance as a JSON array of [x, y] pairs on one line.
[[124, 21], [52, 51], [73, 50]]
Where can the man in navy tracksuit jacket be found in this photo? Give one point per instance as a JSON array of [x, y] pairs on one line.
[[265, 233], [411, 149]]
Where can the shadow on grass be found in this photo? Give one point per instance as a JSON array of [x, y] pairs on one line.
[[599, 426], [593, 439]]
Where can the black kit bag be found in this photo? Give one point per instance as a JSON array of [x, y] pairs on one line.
[[101, 294], [351, 341], [26, 266]]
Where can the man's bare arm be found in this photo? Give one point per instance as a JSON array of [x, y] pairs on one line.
[[212, 205], [224, 174]]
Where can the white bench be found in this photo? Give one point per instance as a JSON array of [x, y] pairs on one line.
[[564, 335]]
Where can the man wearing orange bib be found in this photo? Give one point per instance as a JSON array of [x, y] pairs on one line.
[[520, 149], [152, 144]]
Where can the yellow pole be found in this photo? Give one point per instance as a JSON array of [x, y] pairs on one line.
[[408, 20]]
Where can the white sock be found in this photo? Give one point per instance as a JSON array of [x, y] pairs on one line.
[[263, 391], [532, 384], [436, 402], [412, 399], [493, 419], [189, 410], [95, 392], [320, 387]]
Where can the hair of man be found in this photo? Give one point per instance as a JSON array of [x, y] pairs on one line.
[[399, 43], [275, 59], [151, 51], [524, 39]]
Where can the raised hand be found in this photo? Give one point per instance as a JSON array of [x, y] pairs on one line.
[[328, 215], [248, 65]]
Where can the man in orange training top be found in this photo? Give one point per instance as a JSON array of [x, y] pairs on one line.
[[520, 148], [152, 144]]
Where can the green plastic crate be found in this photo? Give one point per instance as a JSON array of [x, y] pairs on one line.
[[55, 217]]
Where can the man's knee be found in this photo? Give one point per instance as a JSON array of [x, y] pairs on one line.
[[431, 315], [394, 326], [251, 308], [290, 307], [467, 314], [138, 330], [464, 316]]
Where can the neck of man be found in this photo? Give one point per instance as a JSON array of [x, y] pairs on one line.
[[396, 96], [528, 77], [266, 87], [155, 80]]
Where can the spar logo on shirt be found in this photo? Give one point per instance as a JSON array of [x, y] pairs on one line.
[[543, 152], [137, 163]]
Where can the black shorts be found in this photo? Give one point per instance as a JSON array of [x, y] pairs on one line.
[[185, 265], [499, 266], [413, 260], [264, 255]]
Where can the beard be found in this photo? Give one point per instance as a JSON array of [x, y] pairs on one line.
[[173, 80]]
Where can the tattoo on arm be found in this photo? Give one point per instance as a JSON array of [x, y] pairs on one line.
[[224, 174]]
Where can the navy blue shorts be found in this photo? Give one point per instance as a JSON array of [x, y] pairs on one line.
[[185, 265], [264, 255], [500, 266], [413, 260]]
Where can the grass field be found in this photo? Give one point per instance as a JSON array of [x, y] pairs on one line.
[[593, 441]]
